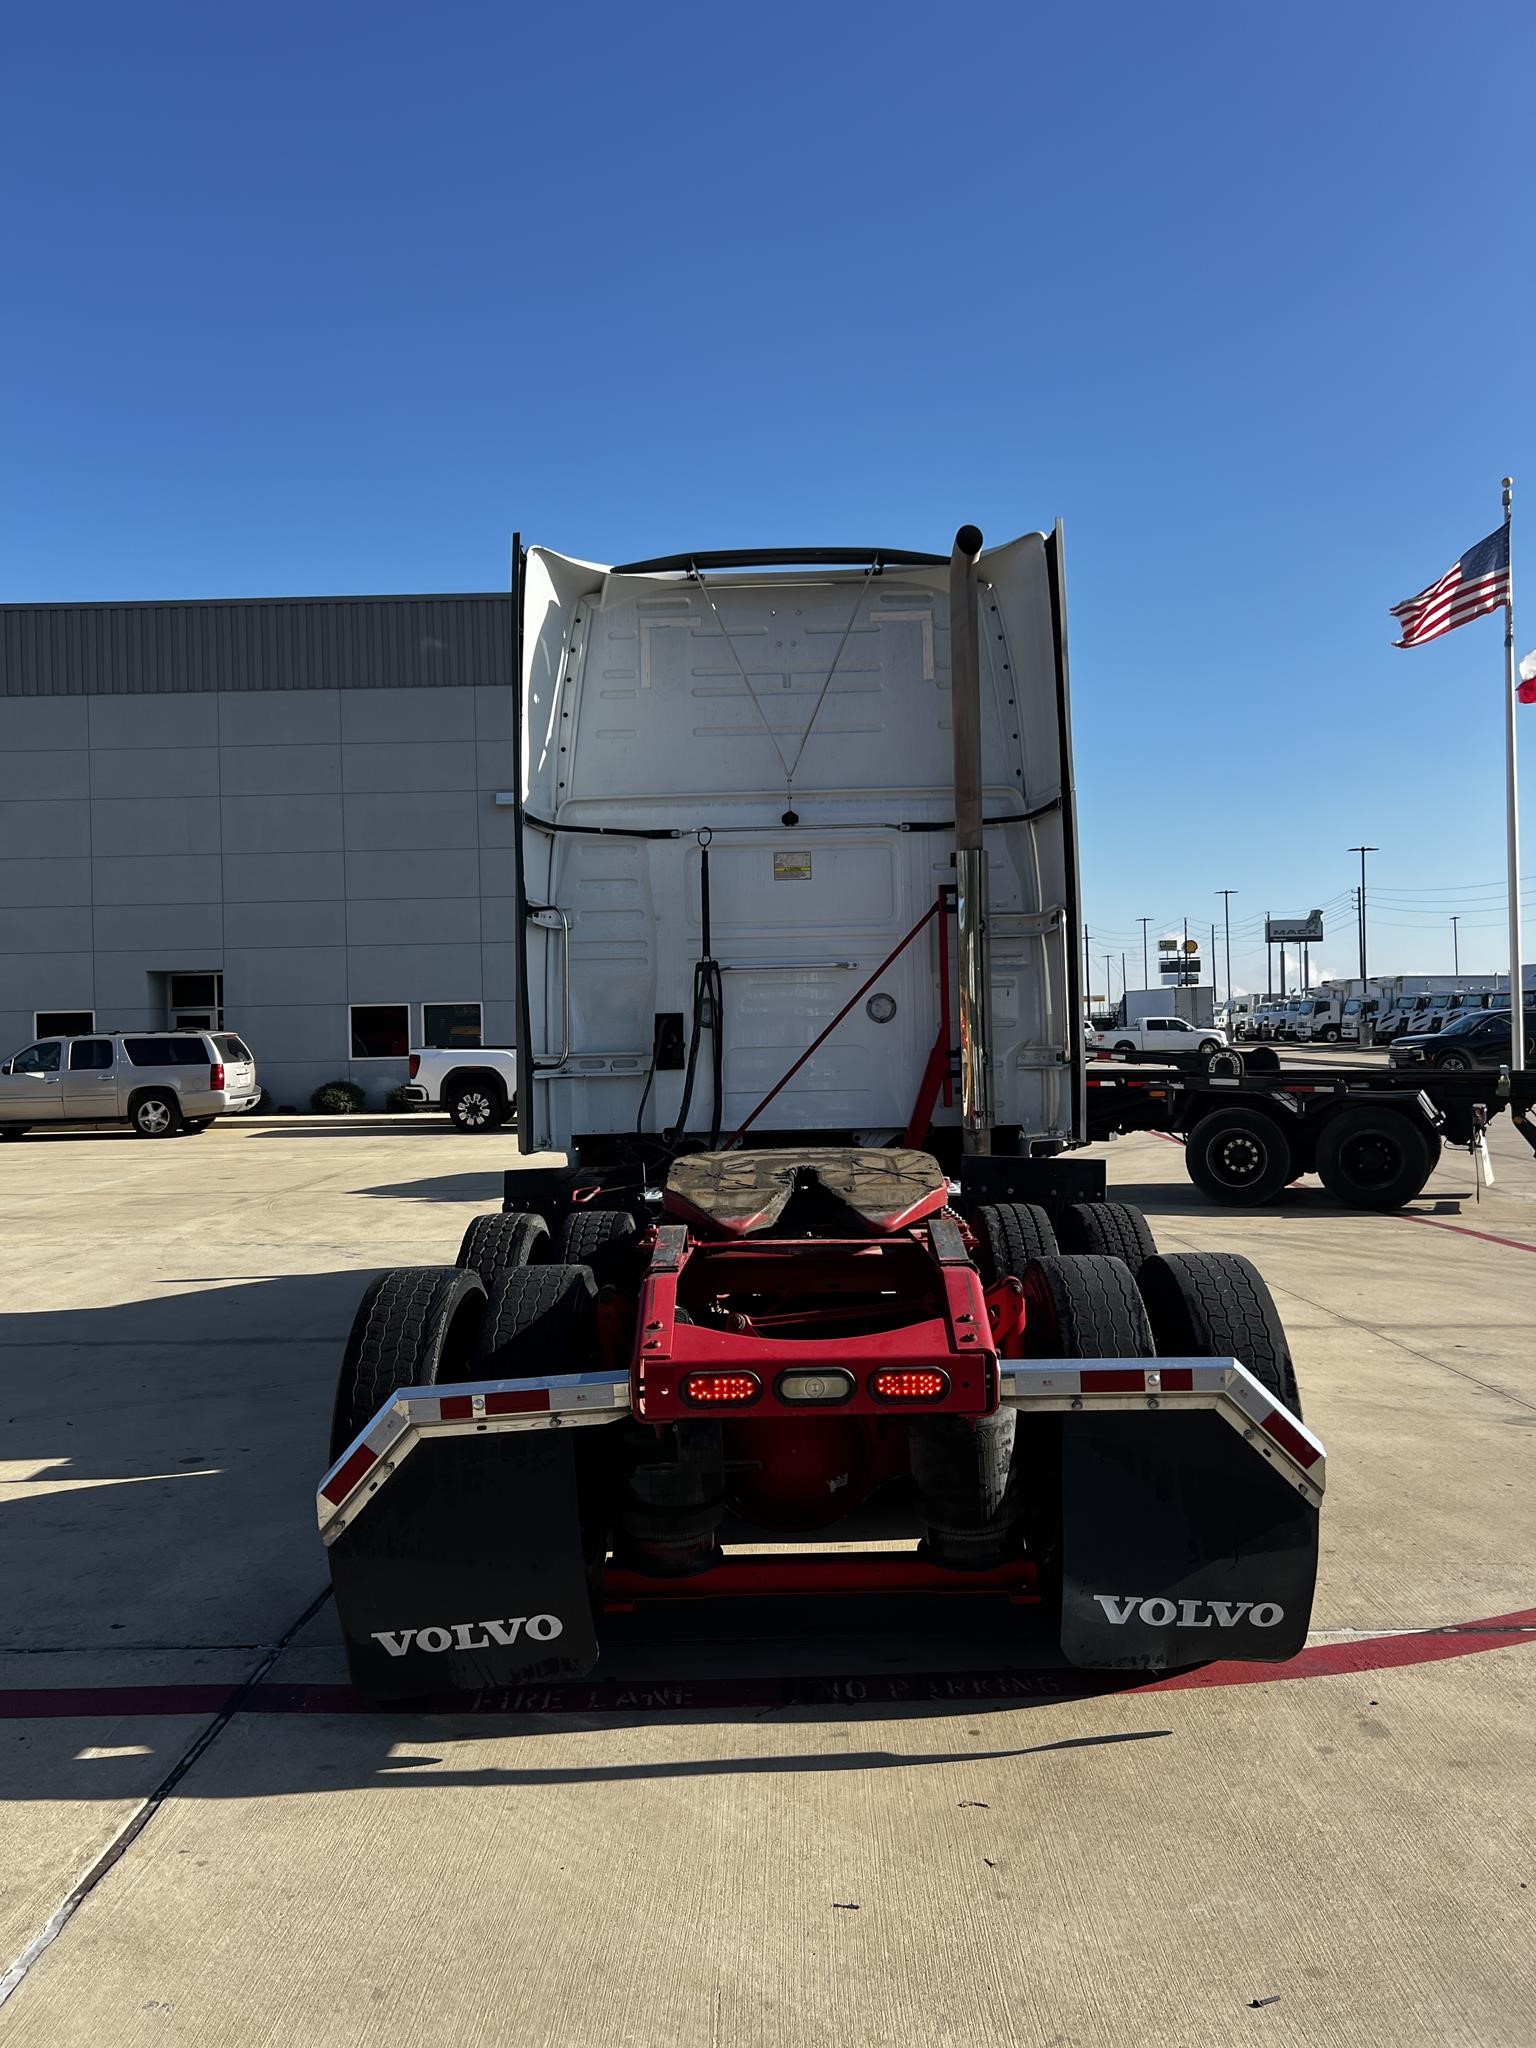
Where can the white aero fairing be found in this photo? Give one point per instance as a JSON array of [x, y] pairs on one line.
[[789, 717]]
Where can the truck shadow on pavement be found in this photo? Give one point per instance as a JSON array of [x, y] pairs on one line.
[[160, 1546]]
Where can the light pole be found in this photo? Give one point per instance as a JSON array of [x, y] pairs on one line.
[[1226, 896], [1146, 971], [1456, 947], [1363, 851]]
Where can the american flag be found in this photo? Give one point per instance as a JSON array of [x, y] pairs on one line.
[[1478, 583]]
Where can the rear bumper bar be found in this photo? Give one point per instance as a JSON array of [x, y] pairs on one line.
[[1153, 1388]]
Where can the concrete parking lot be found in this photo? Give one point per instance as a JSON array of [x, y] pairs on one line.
[[923, 1840]]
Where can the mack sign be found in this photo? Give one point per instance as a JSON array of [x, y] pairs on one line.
[[1287, 931]]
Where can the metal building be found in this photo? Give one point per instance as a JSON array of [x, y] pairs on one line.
[[279, 815]]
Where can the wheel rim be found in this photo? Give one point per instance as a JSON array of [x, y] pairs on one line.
[[154, 1117], [1238, 1160], [473, 1110], [1454, 1063], [1371, 1160]]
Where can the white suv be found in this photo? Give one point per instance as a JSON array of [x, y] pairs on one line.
[[160, 1082]]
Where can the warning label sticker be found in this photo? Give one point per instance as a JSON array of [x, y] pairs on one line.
[[792, 867]]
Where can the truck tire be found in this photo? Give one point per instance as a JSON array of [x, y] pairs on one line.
[[539, 1319], [1374, 1158], [414, 1327], [1208, 1046], [1216, 1305], [598, 1238], [1329, 1034], [1125, 1045], [1454, 1063], [1008, 1236], [1109, 1230], [495, 1244], [1084, 1307], [1239, 1156], [476, 1102], [155, 1115]]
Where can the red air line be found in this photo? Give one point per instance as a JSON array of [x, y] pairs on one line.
[[821, 1038]]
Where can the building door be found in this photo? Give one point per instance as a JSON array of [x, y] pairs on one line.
[[195, 1002]]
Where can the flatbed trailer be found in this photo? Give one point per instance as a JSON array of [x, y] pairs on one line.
[[1250, 1126]]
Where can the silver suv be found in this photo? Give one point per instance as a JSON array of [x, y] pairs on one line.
[[160, 1082]]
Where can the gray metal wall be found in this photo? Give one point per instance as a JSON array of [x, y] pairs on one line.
[[320, 846]]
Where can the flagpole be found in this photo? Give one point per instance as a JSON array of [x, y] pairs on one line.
[[1512, 802]]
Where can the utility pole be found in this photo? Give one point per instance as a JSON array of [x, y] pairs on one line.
[[1109, 983], [1146, 971], [1226, 896], [1363, 851], [1456, 947], [1124, 984], [1183, 957], [1087, 976]]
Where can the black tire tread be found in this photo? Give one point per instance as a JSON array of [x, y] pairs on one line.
[[494, 1244], [539, 1319], [1009, 1235], [409, 1323], [1216, 1305], [1113, 1230], [1094, 1306], [590, 1237]]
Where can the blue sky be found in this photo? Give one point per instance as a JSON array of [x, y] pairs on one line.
[[331, 297]]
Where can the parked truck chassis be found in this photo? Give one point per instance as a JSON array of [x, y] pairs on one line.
[[1250, 1129]]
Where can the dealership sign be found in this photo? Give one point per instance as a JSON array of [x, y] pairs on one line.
[[1282, 931]]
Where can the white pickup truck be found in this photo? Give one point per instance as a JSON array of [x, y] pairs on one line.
[[1160, 1034], [476, 1085]]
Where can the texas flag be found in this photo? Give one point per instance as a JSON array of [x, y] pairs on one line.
[[1525, 689]]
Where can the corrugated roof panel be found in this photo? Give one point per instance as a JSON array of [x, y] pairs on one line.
[[304, 643]]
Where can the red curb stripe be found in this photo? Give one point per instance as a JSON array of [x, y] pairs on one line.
[[1515, 1244], [619, 1695]]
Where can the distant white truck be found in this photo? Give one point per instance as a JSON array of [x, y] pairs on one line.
[[477, 1085]]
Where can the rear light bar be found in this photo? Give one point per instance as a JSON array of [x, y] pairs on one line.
[[216, 1074], [720, 1389], [909, 1383]]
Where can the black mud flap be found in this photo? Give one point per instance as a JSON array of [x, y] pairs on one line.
[[466, 1570], [1180, 1544]]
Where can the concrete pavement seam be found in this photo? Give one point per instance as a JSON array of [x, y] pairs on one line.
[[126, 1836]]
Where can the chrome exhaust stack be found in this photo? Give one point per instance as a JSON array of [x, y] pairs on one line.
[[970, 846]]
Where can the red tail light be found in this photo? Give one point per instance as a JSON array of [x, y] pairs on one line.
[[415, 1065], [721, 1389], [216, 1074], [909, 1383]]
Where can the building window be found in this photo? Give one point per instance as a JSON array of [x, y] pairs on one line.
[[447, 1026], [381, 1031], [195, 1001], [63, 1023]]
